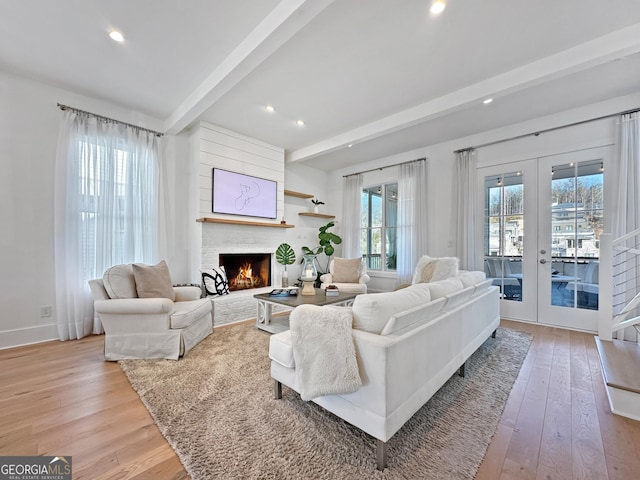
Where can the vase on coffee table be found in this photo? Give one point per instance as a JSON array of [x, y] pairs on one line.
[[309, 274]]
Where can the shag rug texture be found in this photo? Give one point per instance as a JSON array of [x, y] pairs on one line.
[[216, 408]]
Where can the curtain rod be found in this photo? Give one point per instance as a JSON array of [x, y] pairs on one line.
[[517, 137], [386, 166], [107, 119]]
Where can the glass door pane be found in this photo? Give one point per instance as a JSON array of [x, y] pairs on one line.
[[576, 225], [504, 233]]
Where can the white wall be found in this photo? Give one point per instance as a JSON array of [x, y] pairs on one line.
[[29, 120], [440, 161], [304, 179]]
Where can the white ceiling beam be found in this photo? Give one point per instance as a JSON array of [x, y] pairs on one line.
[[284, 21], [586, 55]]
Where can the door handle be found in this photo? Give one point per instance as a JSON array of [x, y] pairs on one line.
[[543, 261]]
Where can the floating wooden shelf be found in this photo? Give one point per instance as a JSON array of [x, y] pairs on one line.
[[317, 215], [244, 222], [291, 193]]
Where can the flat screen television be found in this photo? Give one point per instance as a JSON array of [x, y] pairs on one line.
[[239, 194]]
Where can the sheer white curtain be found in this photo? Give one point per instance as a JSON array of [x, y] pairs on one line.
[[626, 181], [352, 216], [464, 222], [108, 201], [412, 217]]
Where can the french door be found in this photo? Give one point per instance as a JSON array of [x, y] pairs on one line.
[[542, 219]]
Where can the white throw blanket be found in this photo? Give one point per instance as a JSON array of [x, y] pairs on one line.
[[323, 350]]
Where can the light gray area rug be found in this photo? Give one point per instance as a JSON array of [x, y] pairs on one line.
[[216, 408]]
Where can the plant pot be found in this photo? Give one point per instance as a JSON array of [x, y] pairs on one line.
[[285, 279], [316, 209]]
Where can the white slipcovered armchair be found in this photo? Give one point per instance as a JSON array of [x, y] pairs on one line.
[[348, 274], [153, 326]]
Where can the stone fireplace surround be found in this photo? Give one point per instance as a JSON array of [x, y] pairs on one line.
[[239, 239]]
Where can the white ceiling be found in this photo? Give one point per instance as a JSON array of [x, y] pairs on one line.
[[383, 75]]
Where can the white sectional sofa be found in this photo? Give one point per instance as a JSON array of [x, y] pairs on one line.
[[408, 344]]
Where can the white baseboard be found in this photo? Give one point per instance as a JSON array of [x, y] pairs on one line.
[[28, 336]]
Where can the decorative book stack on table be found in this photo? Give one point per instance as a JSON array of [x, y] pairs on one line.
[[332, 291], [284, 292]]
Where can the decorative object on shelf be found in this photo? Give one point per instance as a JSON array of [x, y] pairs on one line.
[[327, 240], [309, 274], [285, 256], [283, 221], [316, 205]]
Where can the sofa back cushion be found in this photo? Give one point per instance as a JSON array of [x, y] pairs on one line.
[[372, 311], [409, 319], [153, 281], [442, 288], [482, 286], [458, 297], [472, 278], [119, 282]]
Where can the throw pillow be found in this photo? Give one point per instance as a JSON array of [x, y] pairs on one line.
[[153, 281], [431, 269], [215, 281], [119, 282], [346, 270]]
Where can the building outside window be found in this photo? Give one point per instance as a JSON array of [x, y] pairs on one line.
[[379, 226]]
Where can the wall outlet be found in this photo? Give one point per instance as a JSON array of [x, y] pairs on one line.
[[45, 311]]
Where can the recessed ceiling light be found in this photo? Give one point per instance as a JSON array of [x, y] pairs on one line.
[[270, 108], [487, 101], [350, 145], [438, 6], [117, 36], [300, 123]]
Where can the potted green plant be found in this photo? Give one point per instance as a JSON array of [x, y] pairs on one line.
[[285, 256], [316, 204], [327, 241]]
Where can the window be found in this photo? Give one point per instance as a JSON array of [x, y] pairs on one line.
[[117, 197], [108, 190], [379, 226]]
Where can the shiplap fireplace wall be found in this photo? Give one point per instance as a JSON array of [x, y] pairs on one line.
[[231, 151]]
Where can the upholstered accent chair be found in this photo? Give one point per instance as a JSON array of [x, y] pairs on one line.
[[348, 274], [144, 316]]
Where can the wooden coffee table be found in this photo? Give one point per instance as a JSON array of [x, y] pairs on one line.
[[280, 323]]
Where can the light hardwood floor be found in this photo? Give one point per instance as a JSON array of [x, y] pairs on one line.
[[62, 398]]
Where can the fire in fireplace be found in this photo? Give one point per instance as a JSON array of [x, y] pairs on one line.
[[247, 270]]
